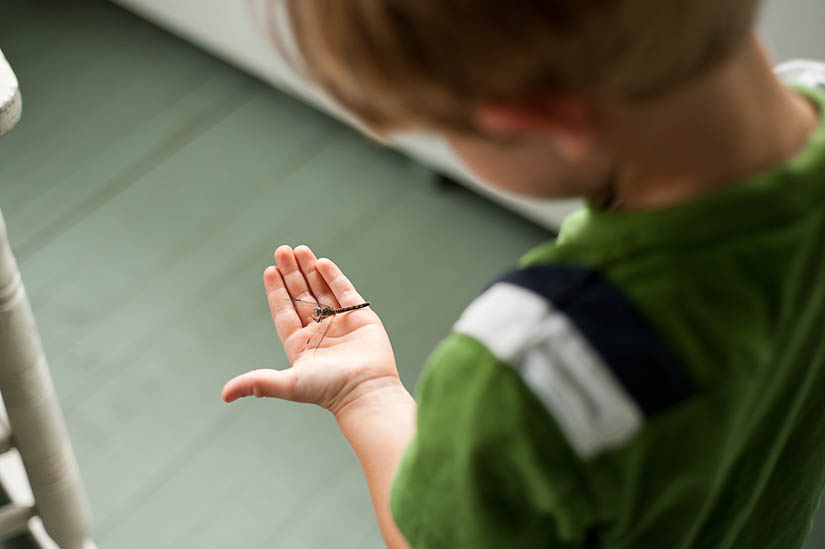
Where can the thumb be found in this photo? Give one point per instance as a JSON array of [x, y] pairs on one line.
[[261, 383]]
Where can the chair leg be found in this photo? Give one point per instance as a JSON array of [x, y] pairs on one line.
[[38, 430]]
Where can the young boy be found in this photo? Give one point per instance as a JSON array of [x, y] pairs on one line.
[[653, 377]]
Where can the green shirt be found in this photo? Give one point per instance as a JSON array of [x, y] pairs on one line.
[[649, 380]]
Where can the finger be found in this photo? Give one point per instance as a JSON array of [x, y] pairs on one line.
[[340, 285], [296, 284], [261, 383], [284, 315], [317, 285]]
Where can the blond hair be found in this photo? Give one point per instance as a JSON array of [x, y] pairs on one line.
[[434, 62]]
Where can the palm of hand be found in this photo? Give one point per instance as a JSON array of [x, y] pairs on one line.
[[317, 341], [330, 371], [354, 350]]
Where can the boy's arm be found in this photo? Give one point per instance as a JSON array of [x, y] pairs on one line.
[[351, 373]]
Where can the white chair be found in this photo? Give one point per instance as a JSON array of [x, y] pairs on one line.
[[53, 499]]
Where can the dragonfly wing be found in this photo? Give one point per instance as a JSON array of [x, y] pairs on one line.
[[323, 336], [315, 305], [304, 301]]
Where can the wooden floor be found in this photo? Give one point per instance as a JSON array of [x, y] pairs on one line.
[[145, 190]]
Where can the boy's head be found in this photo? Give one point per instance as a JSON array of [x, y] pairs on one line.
[[517, 80]]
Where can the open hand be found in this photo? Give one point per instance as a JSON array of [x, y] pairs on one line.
[[354, 357]]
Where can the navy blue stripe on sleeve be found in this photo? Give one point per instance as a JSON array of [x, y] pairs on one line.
[[627, 343]]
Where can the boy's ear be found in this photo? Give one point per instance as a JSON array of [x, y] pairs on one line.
[[569, 122]]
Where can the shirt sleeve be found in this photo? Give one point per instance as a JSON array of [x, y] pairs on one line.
[[488, 467]]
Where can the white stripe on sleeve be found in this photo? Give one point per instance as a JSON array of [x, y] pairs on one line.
[[558, 365]]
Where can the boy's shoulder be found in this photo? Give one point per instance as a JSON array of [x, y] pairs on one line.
[[573, 336]]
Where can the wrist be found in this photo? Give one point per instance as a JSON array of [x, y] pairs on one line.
[[385, 396]]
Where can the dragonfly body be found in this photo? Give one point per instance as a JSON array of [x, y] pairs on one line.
[[325, 311], [322, 312]]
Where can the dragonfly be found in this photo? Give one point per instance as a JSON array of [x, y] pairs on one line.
[[323, 312]]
